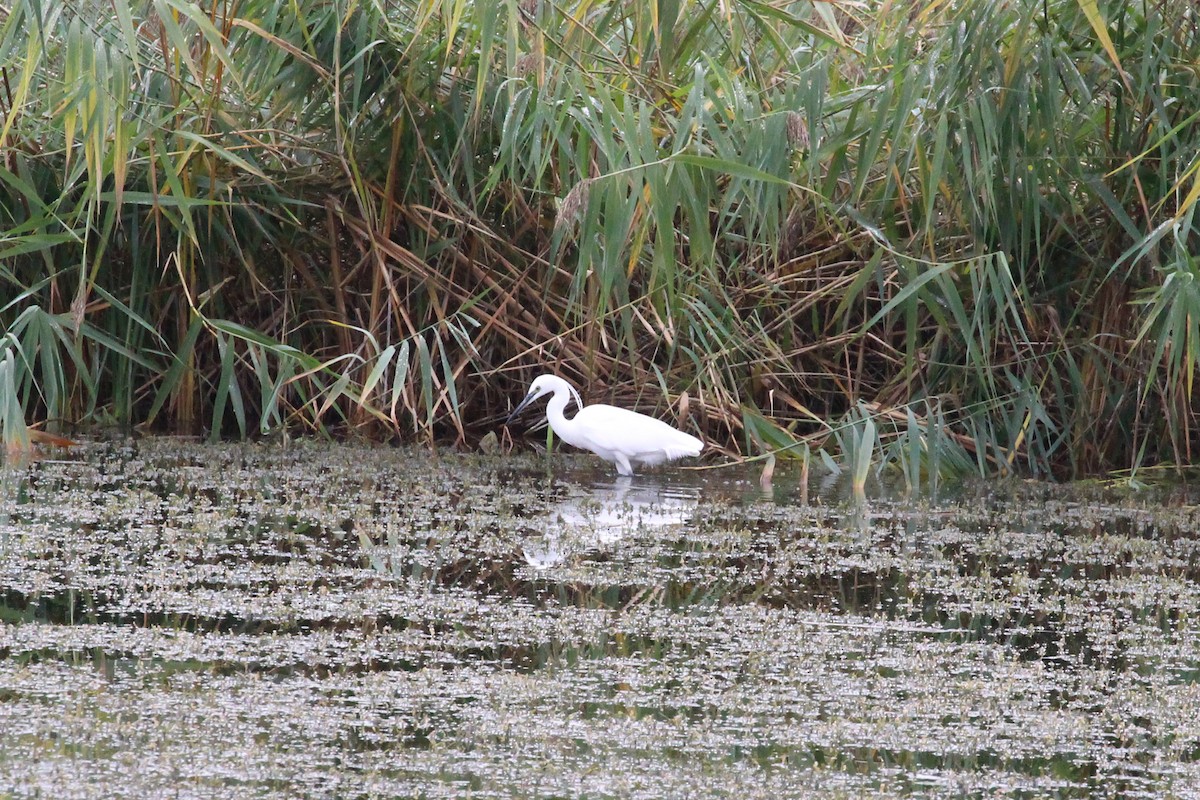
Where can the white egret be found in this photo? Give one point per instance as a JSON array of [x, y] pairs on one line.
[[618, 435]]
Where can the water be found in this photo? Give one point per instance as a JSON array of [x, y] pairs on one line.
[[182, 621]]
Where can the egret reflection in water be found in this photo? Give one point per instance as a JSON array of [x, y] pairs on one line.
[[606, 512]]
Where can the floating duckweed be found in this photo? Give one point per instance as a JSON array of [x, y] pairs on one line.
[[194, 621]]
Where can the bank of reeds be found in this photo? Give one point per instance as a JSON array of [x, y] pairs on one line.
[[965, 229]]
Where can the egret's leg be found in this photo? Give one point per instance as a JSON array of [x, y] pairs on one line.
[[622, 463]]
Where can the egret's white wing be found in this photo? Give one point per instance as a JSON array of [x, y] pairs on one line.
[[637, 436]]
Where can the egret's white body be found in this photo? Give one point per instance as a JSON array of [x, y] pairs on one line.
[[617, 435]]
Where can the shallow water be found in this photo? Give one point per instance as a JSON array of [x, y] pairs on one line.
[[182, 621]]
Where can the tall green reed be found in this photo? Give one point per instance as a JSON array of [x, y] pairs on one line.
[[247, 218]]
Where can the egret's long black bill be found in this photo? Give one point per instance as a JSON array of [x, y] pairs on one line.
[[529, 398]]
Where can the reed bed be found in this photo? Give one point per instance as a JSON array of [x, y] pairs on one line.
[[941, 237]]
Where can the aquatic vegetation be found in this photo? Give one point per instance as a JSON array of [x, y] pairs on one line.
[[312, 619], [973, 222]]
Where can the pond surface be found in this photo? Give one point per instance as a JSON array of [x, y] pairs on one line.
[[182, 621]]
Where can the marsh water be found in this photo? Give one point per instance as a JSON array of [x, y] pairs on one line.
[[182, 620]]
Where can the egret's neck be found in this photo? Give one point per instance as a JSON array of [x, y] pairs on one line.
[[556, 407], [562, 427]]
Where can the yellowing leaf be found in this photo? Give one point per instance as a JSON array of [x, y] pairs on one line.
[[1092, 11]]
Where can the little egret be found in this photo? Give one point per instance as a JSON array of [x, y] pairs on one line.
[[617, 435]]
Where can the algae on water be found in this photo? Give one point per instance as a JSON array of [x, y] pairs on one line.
[[239, 620]]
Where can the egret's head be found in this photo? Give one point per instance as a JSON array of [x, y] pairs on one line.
[[541, 385], [544, 384]]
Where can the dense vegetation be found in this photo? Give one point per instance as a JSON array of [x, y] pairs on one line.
[[947, 235]]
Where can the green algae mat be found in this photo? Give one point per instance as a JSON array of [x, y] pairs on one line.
[[190, 621]]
